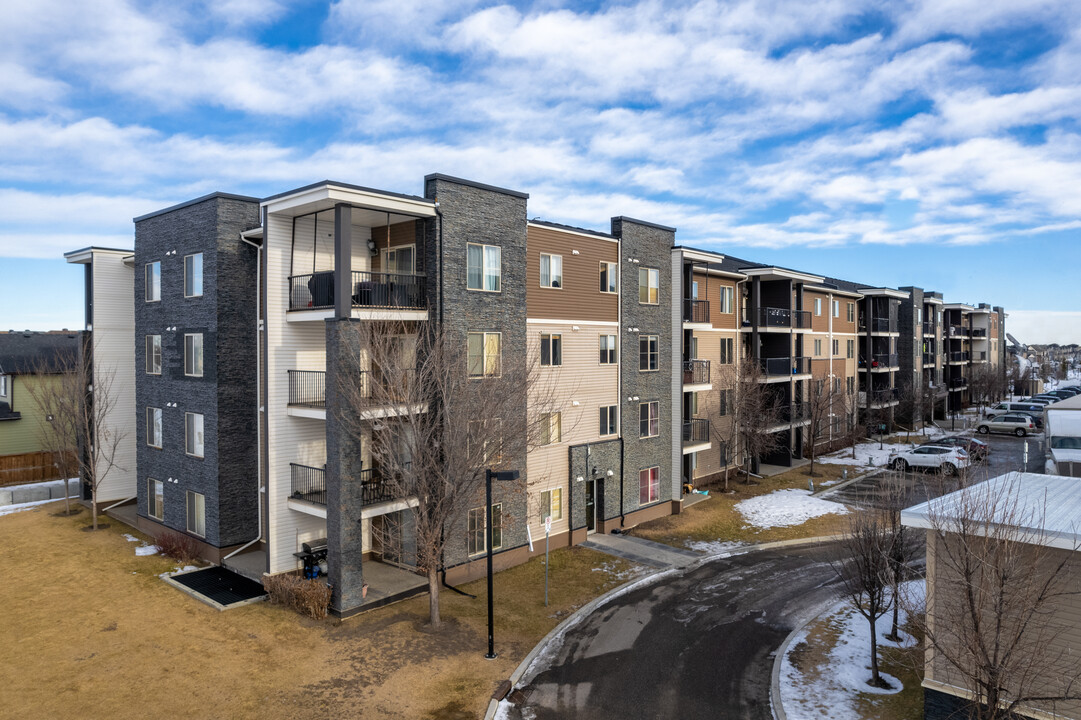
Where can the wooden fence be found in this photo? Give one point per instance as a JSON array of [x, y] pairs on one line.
[[27, 468]]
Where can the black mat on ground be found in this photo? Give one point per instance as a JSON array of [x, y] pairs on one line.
[[222, 586]]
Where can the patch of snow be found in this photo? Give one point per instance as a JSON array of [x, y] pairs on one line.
[[10, 509], [715, 547], [784, 508], [46, 484], [130, 538], [866, 454], [144, 550], [626, 574], [177, 570]]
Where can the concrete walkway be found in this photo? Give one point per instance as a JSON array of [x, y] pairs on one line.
[[641, 551]]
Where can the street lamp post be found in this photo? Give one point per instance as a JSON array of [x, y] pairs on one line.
[[505, 475]]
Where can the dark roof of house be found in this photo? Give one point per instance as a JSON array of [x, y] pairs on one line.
[[22, 352]]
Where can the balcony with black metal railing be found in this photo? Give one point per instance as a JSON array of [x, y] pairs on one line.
[[775, 367], [307, 388], [957, 384], [695, 311], [696, 431], [315, 291], [696, 372], [928, 328], [979, 332], [885, 361], [309, 484], [928, 358], [958, 357], [957, 331], [885, 396], [782, 318]]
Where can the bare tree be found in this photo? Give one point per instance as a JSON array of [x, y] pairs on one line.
[[758, 412], [821, 407], [995, 604], [910, 398], [725, 427], [80, 403], [902, 545], [58, 427], [464, 414], [981, 384]]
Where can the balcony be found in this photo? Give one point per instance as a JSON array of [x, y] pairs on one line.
[[696, 372], [777, 367], [979, 332], [957, 331], [979, 356], [315, 291], [309, 484], [957, 384], [307, 390], [769, 317], [879, 398], [884, 361], [796, 412], [881, 324], [958, 357], [696, 432], [928, 358], [928, 328], [695, 311]]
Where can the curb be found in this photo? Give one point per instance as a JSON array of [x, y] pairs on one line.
[[775, 705], [576, 616]]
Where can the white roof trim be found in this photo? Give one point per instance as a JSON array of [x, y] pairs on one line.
[[781, 272], [702, 255], [366, 199], [958, 306], [886, 292]]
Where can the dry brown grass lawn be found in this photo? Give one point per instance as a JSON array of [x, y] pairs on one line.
[[91, 631], [717, 518]]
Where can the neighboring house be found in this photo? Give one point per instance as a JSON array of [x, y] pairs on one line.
[[22, 355], [1029, 518]]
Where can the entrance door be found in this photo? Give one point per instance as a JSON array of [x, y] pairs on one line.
[[399, 541], [591, 506]]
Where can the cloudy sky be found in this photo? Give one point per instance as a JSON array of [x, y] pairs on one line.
[[931, 142]]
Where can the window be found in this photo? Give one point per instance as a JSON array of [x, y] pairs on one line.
[[818, 306], [152, 278], [551, 428], [193, 355], [818, 347], [850, 385], [725, 405], [551, 350], [608, 349], [551, 270], [155, 499], [850, 312], [476, 541], [485, 354], [483, 267], [153, 355], [193, 434], [648, 286], [648, 352], [551, 504], [694, 404], [649, 485], [196, 514], [608, 420], [837, 385], [726, 299], [727, 354], [490, 434], [649, 419], [3, 385], [193, 275], [836, 308], [399, 260], [153, 427], [919, 314], [836, 347], [850, 348], [608, 277]]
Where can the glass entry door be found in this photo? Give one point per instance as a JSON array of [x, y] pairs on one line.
[[591, 506]]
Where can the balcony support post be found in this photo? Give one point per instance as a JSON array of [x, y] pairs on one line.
[[343, 261]]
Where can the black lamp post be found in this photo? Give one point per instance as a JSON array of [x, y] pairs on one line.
[[505, 475]]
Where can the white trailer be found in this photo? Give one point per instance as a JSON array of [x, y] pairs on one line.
[[1062, 424]]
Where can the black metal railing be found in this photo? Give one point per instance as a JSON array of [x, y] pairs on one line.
[[928, 358], [979, 332], [786, 366], [928, 328], [792, 413], [801, 319], [695, 372], [958, 356], [315, 291], [696, 431], [774, 317], [696, 311], [881, 396], [308, 483], [960, 382], [308, 388], [374, 488], [884, 360], [957, 331], [880, 324]]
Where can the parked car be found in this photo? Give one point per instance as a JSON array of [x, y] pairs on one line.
[[1037, 416], [1016, 423], [1005, 407], [947, 459], [1046, 396], [1061, 394], [977, 449], [1038, 400], [1072, 389]]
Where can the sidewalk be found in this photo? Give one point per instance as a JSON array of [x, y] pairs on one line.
[[641, 551]]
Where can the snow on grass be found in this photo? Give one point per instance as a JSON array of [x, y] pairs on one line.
[[130, 538], [715, 547], [9, 509], [144, 550], [831, 689], [625, 574], [46, 484], [867, 454], [783, 508]]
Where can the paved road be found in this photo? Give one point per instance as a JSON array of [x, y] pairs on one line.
[[697, 645]]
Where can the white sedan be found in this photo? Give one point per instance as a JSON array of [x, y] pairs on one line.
[[947, 459]]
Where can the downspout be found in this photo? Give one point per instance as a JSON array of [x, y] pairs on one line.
[[619, 377]]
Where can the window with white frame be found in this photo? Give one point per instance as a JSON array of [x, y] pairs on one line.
[[551, 270], [551, 350], [193, 434], [551, 504], [155, 499], [152, 281], [837, 308], [193, 275], [727, 294], [483, 263], [609, 277], [551, 428], [476, 527], [649, 419], [850, 312], [817, 347], [193, 355], [153, 354], [608, 418], [648, 286], [399, 260], [836, 347], [649, 485], [196, 513], [153, 427], [3, 385], [850, 385], [485, 354], [724, 400], [728, 355], [608, 349], [818, 306], [850, 348], [648, 352]]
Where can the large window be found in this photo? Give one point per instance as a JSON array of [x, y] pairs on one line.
[[193, 275], [476, 542], [817, 347], [648, 286], [485, 354], [725, 405], [399, 260], [153, 354], [193, 355], [155, 499], [193, 434], [551, 504], [196, 514], [608, 349], [727, 351], [551, 428], [850, 312], [649, 419], [608, 420], [649, 485], [152, 276], [837, 308], [153, 427], [648, 352], [551, 270], [609, 279], [483, 270], [850, 348], [726, 299], [818, 306], [551, 352], [3, 385]]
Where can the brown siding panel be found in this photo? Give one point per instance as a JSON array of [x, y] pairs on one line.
[[580, 297], [709, 288], [819, 323]]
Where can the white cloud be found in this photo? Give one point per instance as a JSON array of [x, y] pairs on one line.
[[1035, 327]]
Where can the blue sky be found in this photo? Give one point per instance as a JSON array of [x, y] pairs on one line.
[[932, 142]]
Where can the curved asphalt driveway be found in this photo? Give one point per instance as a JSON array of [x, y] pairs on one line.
[[696, 645]]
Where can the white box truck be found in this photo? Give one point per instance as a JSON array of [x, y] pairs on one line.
[[1062, 424]]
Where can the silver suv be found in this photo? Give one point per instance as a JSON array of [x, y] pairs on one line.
[[947, 459], [1016, 423]]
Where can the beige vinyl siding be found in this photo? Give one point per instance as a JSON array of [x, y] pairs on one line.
[[721, 377], [304, 261], [114, 352], [580, 378]]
